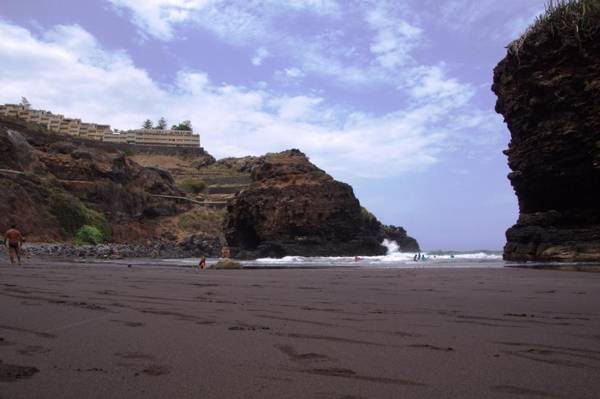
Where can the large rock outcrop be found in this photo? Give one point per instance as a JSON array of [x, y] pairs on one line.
[[294, 208], [548, 89]]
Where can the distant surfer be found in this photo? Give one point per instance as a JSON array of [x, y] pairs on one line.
[[357, 258], [13, 239], [416, 258]]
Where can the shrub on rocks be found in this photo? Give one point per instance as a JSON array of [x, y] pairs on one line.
[[88, 235], [72, 214]]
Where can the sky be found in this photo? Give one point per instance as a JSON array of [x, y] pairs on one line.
[[390, 96]]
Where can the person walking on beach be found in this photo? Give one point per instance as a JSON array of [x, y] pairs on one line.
[[202, 263], [13, 239]]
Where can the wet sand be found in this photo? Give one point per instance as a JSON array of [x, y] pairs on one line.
[[109, 331]]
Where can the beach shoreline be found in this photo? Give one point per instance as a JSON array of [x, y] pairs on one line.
[[99, 329]]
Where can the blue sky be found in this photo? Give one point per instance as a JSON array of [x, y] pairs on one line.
[[390, 96]]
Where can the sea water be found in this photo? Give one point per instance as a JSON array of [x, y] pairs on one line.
[[392, 259]]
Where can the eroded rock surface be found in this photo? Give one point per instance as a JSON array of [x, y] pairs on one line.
[[548, 89], [294, 208]]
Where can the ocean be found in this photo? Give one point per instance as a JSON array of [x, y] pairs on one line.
[[393, 259]]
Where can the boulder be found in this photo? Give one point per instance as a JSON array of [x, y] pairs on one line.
[[227, 264]]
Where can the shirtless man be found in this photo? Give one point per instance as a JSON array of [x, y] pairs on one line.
[[13, 241]]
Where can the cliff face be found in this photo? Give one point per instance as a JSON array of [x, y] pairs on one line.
[[52, 185], [293, 208], [548, 89]]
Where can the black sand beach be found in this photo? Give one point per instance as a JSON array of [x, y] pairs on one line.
[[108, 331]]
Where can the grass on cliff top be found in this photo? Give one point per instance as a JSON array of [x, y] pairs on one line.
[[576, 19]]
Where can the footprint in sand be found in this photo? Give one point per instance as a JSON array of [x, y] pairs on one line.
[[135, 358], [134, 355], [431, 347], [129, 323], [512, 390], [156, 370], [12, 372], [293, 355], [33, 349]]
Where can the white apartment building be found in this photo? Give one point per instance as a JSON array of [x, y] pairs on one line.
[[75, 127]]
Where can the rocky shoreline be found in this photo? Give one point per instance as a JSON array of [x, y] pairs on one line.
[[194, 246]]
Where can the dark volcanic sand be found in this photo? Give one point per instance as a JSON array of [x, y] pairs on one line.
[[108, 331]]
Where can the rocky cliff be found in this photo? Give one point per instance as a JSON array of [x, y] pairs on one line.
[[294, 208], [54, 185], [548, 89]]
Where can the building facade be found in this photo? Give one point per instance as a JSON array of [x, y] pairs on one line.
[[75, 127]]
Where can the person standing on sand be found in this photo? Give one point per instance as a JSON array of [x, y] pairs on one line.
[[13, 239], [202, 263], [225, 253]]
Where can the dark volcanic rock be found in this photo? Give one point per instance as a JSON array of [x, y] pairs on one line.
[[398, 234], [193, 246], [548, 89], [201, 244], [294, 208]]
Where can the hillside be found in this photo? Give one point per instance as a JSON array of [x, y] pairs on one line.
[[55, 185]]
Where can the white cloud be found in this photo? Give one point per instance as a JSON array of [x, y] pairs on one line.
[[318, 6], [259, 56], [234, 20], [297, 108], [394, 40], [432, 83], [289, 76], [294, 73], [65, 70], [159, 17], [328, 51]]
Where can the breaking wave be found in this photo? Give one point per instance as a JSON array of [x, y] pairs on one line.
[[393, 258]]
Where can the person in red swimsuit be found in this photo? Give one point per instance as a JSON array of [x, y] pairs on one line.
[[13, 239]]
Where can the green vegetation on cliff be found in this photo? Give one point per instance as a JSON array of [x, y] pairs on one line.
[[73, 216], [88, 235], [191, 185], [572, 20]]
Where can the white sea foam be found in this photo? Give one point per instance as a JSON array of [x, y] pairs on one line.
[[393, 258]]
